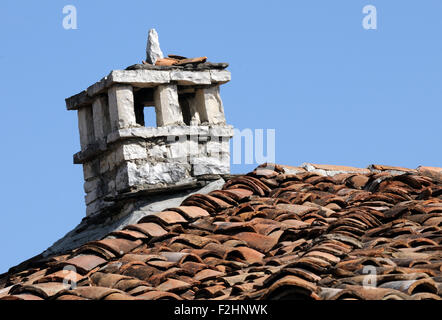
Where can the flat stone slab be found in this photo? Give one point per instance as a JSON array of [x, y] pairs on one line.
[[145, 78], [225, 131], [170, 131]]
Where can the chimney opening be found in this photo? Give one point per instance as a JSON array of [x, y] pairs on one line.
[[145, 114]]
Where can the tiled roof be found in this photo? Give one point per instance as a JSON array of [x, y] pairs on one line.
[[318, 232]]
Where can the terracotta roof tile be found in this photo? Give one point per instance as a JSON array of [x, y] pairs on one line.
[[23, 296], [158, 295], [336, 168], [208, 274], [191, 212], [92, 293], [173, 285], [117, 246], [149, 229], [60, 276], [390, 168], [165, 218], [275, 233], [84, 262]]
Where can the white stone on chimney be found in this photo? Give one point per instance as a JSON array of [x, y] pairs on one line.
[[153, 50], [210, 106], [121, 107], [101, 118], [167, 106], [86, 127]]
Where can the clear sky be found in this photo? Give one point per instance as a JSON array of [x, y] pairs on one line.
[[335, 92]]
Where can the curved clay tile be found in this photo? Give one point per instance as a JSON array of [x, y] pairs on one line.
[[84, 262], [292, 288], [158, 295], [266, 235], [165, 218], [149, 229]]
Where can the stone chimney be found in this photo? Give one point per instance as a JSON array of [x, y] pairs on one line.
[[189, 146]]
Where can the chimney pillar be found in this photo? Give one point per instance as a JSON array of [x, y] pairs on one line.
[[210, 106], [167, 106], [121, 107]]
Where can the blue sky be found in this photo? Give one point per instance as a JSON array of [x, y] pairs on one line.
[[335, 92]]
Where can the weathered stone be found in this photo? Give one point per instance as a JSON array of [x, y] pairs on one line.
[[107, 163], [190, 77], [77, 101], [220, 76], [157, 152], [111, 187], [89, 186], [112, 160], [94, 207], [209, 165], [100, 110], [154, 174], [220, 145], [99, 87], [91, 169], [167, 107], [86, 127], [167, 173], [179, 149], [153, 50], [210, 106], [131, 151], [225, 131], [92, 196], [122, 177], [140, 78], [121, 107]]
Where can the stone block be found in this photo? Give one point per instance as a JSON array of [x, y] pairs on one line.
[[91, 169], [104, 164], [101, 117], [225, 131], [111, 187], [91, 185], [210, 106], [92, 196], [218, 146], [133, 151], [220, 76], [140, 78], [157, 152], [190, 77], [179, 149], [121, 107], [158, 173], [86, 126], [94, 207], [167, 107], [112, 160], [211, 165], [122, 177]]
